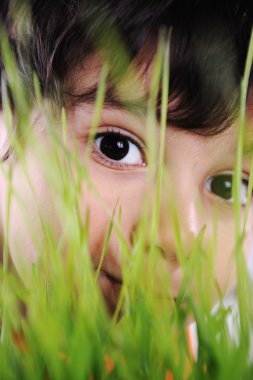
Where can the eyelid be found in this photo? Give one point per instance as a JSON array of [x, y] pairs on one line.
[[244, 175], [244, 181], [122, 132], [101, 130], [133, 139]]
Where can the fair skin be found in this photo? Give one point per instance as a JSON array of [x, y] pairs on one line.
[[193, 163]]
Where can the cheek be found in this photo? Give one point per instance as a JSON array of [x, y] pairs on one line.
[[248, 247], [225, 269], [248, 241], [225, 263], [31, 202], [120, 195]]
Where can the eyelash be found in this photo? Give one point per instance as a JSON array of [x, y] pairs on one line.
[[113, 163], [229, 201]]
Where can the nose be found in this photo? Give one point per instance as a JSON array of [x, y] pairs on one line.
[[181, 217]]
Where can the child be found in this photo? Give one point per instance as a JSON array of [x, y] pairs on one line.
[[67, 45]]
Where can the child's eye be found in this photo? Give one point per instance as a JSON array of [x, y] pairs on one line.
[[221, 185], [118, 150]]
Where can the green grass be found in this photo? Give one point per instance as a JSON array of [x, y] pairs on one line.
[[54, 323]]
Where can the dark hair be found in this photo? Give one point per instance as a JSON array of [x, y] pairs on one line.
[[209, 46]]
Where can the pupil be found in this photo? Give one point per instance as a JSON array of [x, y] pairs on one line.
[[114, 147], [222, 186]]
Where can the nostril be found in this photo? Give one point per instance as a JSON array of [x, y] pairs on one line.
[[171, 256]]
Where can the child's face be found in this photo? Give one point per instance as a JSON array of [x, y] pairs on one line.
[[200, 173]]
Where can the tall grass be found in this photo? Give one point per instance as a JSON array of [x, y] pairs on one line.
[[54, 323]]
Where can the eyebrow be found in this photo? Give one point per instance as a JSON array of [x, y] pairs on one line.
[[111, 100], [139, 106]]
